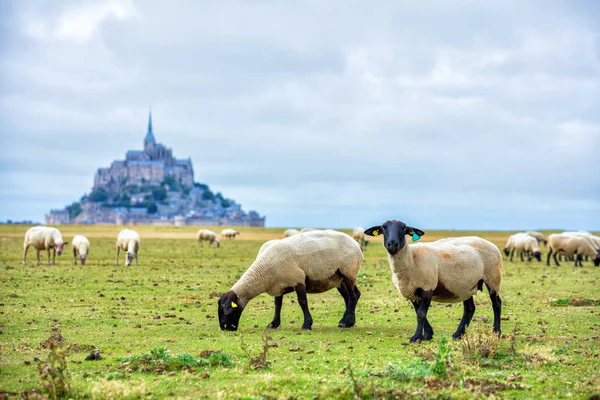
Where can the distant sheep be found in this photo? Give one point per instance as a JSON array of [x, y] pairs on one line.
[[81, 248], [304, 230], [209, 236], [43, 238], [358, 234], [571, 245], [538, 236], [229, 234], [522, 243], [314, 262], [447, 271], [129, 241], [290, 232]]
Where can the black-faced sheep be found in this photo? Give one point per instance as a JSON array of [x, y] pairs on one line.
[[571, 245], [312, 262], [447, 271]]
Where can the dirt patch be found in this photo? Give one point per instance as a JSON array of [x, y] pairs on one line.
[[583, 302], [55, 340], [207, 353]]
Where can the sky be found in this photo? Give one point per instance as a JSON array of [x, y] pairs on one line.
[[442, 114]]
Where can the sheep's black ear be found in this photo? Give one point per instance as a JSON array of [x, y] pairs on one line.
[[411, 231], [374, 231]]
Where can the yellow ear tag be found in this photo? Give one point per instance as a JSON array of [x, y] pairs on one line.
[[375, 233], [233, 305]]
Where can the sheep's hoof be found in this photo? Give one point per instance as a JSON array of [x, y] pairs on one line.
[[307, 327], [274, 325], [344, 324], [416, 339], [457, 335], [427, 336]]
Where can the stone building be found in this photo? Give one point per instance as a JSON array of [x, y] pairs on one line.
[[148, 166]]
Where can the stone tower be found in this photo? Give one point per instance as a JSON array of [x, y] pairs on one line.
[[149, 140]]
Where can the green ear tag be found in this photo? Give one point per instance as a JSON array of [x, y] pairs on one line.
[[415, 237]]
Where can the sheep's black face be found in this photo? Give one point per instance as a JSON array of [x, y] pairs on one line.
[[506, 252], [537, 256], [597, 259], [229, 311], [394, 234]]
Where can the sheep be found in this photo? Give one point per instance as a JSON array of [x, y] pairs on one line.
[[358, 234], [526, 244], [522, 243], [538, 236], [290, 232], [229, 233], [313, 262], [571, 245], [304, 230], [210, 236], [129, 241], [448, 271], [43, 238], [81, 248]]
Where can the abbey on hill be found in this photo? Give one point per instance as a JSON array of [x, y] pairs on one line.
[[152, 187]]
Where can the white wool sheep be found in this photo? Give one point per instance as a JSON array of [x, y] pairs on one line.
[[358, 234], [313, 262], [304, 230], [128, 241], [229, 233], [447, 271], [571, 245], [209, 236], [81, 248], [290, 232], [43, 238], [522, 243], [539, 236], [594, 239]]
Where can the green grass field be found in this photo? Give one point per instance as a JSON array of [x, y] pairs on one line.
[[156, 325]]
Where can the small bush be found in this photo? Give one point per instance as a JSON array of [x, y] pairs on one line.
[[259, 361], [159, 360], [54, 372]]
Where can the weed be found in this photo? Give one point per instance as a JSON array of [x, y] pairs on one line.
[[259, 361], [159, 360], [479, 341], [54, 373]]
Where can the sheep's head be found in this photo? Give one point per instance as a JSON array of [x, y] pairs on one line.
[[394, 233], [229, 311], [217, 243], [506, 252], [537, 255], [597, 259], [60, 247], [129, 258]]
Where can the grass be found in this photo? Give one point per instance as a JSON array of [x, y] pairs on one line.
[[156, 328]]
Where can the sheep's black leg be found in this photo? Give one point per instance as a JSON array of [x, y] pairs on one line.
[[344, 293], [277, 317], [521, 255], [512, 253], [578, 259], [469, 310], [427, 329], [303, 301], [549, 254], [349, 318], [497, 306], [555, 260], [422, 316]]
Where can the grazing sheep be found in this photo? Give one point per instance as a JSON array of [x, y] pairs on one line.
[[43, 238], [210, 236], [538, 236], [528, 245], [571, 245], [358, 234], [229, 233], [447, 271], [290, 232], [314, 262], [81, 248], [129, 241]]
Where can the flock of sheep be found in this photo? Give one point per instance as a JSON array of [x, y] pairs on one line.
[[572, 245], [305, 261]]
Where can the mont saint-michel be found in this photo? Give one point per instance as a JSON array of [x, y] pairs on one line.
[[151, 186]]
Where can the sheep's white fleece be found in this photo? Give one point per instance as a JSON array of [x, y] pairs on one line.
[[285, 263], [595, 240], [229, 233], [81, 245], [457, 263], [208, 235], [42, 237], [569, 245], [525, 242], [129, 241], [539, 236], [358, 234], [290, 232]]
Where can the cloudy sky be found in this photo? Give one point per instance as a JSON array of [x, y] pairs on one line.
[[469, 114]]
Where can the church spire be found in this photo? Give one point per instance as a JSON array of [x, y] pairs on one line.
[[149, 135]]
